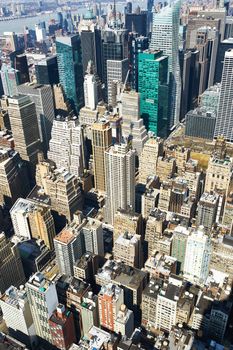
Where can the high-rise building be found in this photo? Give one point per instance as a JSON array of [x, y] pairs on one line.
[[13, 174], [127, 221], [218, 175], [200, 123], [32, 220], [90, 36], [128, 249], [197, 256], [155, 227], [40, 32], [89, 312], [66, 147], [210, 97], [42, 297], [17, 315], [120, 180], [114, 47], [132, 125], [62, 329], [70, 69], [47, 71], [207, 210], [152, 149], [153, 89], [165, 37], [179, 243], [224, 122], [10, 78], [101, 141], [223, 47], [110, 299], [93, 237], [42, 96], [11, 268], [137, 44], [124, 323], [24, 126], [137, 23], [116, 73], [67, 247], [61, 187], [20, 63], [90, 87]]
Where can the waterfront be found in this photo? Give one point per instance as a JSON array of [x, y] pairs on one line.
[[17, 25]]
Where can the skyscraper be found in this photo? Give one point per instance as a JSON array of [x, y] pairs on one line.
[[90, 87], [10, 79], [197, 256], [47, 71], [165, 37], [137, 23], [101, 141], [67, 248], [66, 147], [69, 57], [224, 122], [116, 73], [24, 126], [120, 179], [93, 237], [42, 297], [42, 96], [153, 89], [11, 268]]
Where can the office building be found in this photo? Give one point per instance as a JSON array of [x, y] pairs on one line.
[[42, 297], [136, 23], [68, 250], [24, 127], [224, 122], [10, 78], [42, 96], [210, 97], [90, 36], [218, 175], [14, 180], [116, 73], [110, 299], [89, 312], [101, 141], [153, 148], [153, 89], [124, 323], [165, 37], [197, 256], [40, 32], [11, 269], [62, 329], [132, 125], [32, 220], [155, 227], [223, 47], [93, 237], [137, 44], [61, 188], [17, 315], [114, 47], [70, 69], [66, 146], [46, 71], [207, 210], [120, 180], [20, 64], [160, 265], [179, 243], [166, 168], [127, 221], [91, 87], [128, 249]]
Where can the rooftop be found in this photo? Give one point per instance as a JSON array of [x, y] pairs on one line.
[[64, 237]]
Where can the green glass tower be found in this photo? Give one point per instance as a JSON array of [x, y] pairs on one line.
[[153, 89], [69, 57]]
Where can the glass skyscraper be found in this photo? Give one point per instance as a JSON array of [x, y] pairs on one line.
[[153, 89], [165, 36], [69, 57]]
